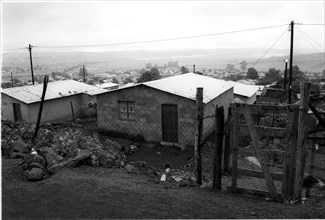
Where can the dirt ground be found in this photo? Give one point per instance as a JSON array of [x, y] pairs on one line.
[[99, 193]]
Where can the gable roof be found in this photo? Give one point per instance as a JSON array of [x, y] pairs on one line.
[[185, 85], [57, 89]]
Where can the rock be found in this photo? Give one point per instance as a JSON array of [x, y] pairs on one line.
[[130, 169], [51, 158], [20, 146], [38, 159], [82, 155], [35, 174], [16, 155], [35, 165], [141, 164], [183, 183], [158, 153]]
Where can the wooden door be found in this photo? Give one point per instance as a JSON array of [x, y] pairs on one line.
[[17, 112], [169, 123]]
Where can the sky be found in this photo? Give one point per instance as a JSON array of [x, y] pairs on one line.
[[51, 24]]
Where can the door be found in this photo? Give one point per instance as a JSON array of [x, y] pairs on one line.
[[17, 112], [169, 120]]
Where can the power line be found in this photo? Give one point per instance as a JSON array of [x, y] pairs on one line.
[[305, 36], [310, 24], [166, 39], [269, 48]]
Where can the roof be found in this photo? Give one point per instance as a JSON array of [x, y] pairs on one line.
[[243, 89], [107, 85], [185, 85], [57, 89]]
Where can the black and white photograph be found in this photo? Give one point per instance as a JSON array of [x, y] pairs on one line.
[[162, 109]]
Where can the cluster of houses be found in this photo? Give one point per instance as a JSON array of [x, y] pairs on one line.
[[162, 110]]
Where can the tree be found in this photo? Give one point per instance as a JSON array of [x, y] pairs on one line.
[[184, 70], [81, 72], [243, 65], [153, 74], [128, 80], [230, 68], [114, 80], [148, 66], [252, 73]]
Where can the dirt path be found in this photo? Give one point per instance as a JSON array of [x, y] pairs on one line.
[[112, 193]]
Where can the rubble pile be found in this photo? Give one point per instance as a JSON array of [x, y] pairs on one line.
[[55, 147]]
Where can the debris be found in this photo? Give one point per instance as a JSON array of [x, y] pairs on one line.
[[253, 213], [36, 174], [158, 153], [177, 178], [163, 177], [130, 169], [82, 155]]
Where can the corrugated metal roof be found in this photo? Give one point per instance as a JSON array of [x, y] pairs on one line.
[[33, 93], [185, 85], [243, 89]]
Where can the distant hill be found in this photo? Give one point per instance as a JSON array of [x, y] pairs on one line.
[[203, 58]]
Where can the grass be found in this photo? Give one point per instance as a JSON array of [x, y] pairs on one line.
[[99, 193]]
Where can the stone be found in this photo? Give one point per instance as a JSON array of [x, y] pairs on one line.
[[35, 174], [126, 149], [20, 146], [51, 158], [35, 165], [183, 183], [38, 159], [130, 169], [82, 155]]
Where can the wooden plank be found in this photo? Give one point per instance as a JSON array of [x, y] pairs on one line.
[[257, 173], [217, 160], [301, 140], [253, 192], [262, 109], [260, 154], [198, 136], [264, 131], [226, 155], [234, 137], [289, 154], [279, 154]]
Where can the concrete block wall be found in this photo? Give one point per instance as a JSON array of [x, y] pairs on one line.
[[147, 120]]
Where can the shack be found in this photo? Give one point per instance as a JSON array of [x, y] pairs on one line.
[[163, 110], [64, 100]]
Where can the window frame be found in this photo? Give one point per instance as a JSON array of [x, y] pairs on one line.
[[130, 110]]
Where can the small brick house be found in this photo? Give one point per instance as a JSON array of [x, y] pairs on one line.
[[163, 110], [63, 101]]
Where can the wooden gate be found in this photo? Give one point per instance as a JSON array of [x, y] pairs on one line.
[[169, 119], [294, 135]]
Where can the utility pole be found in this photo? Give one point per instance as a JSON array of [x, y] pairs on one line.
[[31, 62], [194, 68], [12, 80], [84, 72], [290, 64], [285, 75]]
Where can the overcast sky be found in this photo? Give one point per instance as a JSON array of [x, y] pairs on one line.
[[93, 23]]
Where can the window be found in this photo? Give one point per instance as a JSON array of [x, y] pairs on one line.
[[126, 110]]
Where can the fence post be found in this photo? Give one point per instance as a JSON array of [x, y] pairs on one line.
[[45, 81], [198, 135], [289, 154], [301, 139], [226, 155], [234, 123], [72, 111], [217, 159]]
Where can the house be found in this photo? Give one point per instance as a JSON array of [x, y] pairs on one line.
[[163, 110], [244, 93], [108, 86], [64, 100]]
